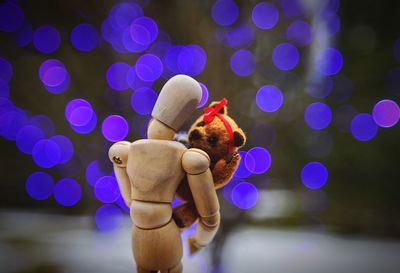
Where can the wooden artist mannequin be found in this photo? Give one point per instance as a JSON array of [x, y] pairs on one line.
[[149, 171]]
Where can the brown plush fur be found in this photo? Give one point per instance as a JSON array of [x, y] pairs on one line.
[[212, 138]]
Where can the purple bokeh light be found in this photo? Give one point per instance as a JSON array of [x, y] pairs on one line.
[[134, 81], [39, 185], [148, 67], [318, 115], [81, 116], [73, 105], [46, 39], [117, 76], [27, 137], [67, 192], [265, 15], [11, 17], [89, 127], [329, 61], [363, 127], [46, 153], [269, 98], [106, 189], [84, 37], [143, 30], [108, 218], [225, 12], [386, 113], [114, 128], [66, 148], [54, 76], [204, 95], [299, 33], [244, 195], [24, 35], [314, 175], [6, 70], [143, 100], [258, 160], [243, 63], [285, 56]]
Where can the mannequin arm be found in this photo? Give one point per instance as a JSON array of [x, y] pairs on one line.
[[196, 164], [118, 154]]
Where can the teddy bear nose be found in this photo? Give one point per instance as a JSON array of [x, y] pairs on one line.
[[194, 135]]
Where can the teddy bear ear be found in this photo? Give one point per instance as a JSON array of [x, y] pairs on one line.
[[223, 111], [239, 139]]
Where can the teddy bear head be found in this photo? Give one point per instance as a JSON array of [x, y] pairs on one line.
[[216, 133]]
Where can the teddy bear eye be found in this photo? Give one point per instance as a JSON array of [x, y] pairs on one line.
[[200, 124], [212, 140]]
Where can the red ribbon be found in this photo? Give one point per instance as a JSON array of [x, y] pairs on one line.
[[209, 115]]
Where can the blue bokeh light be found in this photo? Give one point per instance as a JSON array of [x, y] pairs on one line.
[[314, 175], [258, 160], [108, 218], [243, 63], [386, 113], [299, 33], [134, 81], [285, 56], [225, 12], [244, 195], [240, 36], [265, 15], [11, 17], [11, 121], [117, 76], [114, 128], [123, 14], [89, 127], [318, 115], [44, 123], [24, 35], [84, 37], [39, 185], [6, 70], [106, 189], [46, 153], [363, 127], [191, 60], [67, 192], [144, 30], [74, 104], [66, 148], [392, 81], [4, 89], [242, 171], [54, 76], [93, 172], [143, 100], [269, 98], [204, 95], [159, 49], [329, 61], [292, 8], [149, 67], [46, 39], [27, 137], [129, 44]]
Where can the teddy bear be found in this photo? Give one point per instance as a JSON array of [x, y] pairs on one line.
[[219, 136]]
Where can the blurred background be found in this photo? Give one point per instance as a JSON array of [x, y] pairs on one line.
[[315, 85]]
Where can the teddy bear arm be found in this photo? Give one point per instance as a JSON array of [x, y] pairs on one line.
[[223, 171]]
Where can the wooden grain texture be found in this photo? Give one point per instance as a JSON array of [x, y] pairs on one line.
[[177, 101]]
